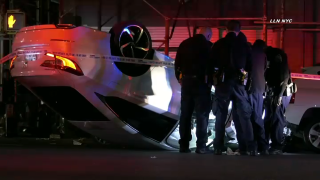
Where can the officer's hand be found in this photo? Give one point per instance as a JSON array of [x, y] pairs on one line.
[[278, 101]]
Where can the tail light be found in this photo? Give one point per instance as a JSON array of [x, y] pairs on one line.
[[11, 62], [62, 63], [293, 97]]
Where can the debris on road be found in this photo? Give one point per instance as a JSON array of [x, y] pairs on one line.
[[230, 152]]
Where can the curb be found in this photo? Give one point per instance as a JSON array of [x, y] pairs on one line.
[[46, 142]]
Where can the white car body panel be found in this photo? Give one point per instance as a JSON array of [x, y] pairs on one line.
[[100, 76]]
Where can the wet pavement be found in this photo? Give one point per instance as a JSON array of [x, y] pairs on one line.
[[83, 163]]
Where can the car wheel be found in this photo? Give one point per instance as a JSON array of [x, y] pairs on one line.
[[311, 135], [131, 39]]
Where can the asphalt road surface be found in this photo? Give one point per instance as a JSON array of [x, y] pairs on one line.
[[21, 163]]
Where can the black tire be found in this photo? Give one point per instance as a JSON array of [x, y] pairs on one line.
[[129, 69], [306, 132]]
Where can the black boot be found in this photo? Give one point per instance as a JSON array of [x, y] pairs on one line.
[[217, 151], [244, 153], [253, 153], [203, 150], [184, 149], [264, 153], [275, 151]]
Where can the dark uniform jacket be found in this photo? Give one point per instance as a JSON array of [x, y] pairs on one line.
[[231, 53], [192, 56], [8, 90], [278, 74], [259, 65]]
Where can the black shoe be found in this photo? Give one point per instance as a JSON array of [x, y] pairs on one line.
[[184, 150], [253, 153], [264, 153], [203, 151], [217, 152], [244, 153], [275, 152]]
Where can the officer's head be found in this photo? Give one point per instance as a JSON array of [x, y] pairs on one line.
[[207, 32], [268, 49], [259, 44], [234, 26]]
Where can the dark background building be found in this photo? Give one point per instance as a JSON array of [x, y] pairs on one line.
[[37, 11], [301, 46]]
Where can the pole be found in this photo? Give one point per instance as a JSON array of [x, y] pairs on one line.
[[315, 35], [10, 4], [99, 14], [166, 38], [265, 30], [48, 11], [282, 27], [186, 14], [3, 12], [1, 72], [119, 10], [38, 13], [304, 35], [61, 11]]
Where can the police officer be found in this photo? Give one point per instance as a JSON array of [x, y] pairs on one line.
[[191, 62], [231, 59], [277, 77], [259, 65]]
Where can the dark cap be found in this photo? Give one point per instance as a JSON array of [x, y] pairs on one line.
[[234, 25]]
